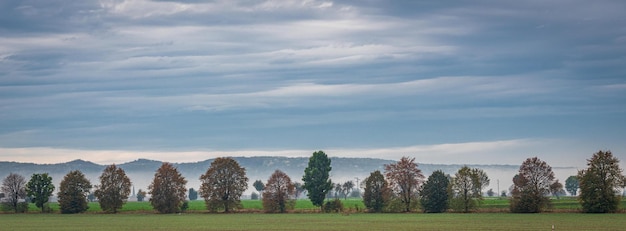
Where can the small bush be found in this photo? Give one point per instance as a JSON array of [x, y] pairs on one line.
[[184, 206], [333, 206]]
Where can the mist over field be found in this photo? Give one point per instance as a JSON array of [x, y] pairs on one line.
[[141, 172]]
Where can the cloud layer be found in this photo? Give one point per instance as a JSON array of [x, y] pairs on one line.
[[182, 76]]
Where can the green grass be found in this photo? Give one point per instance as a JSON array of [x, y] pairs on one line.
[[314, 221], [491, 204], [141, 216]]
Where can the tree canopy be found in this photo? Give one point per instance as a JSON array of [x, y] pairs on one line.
[[434, 194], [599, 183], [405, 179], [316, 178], [222, 185], [377, 193], [572, 185], [167, 189], [259, 186], [73, 192], [467, 186], [279, 193], [40, 188], [531, 185], [113, 190]]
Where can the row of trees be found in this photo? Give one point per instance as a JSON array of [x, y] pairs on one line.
[[401, 188], [112, 192], [599, 187]]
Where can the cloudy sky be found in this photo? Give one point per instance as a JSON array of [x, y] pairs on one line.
[[111, 81]]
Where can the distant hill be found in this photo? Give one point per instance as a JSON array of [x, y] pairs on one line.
[[142, 171]]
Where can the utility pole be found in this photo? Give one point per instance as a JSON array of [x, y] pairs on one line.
[[358, 186], [498, 180]]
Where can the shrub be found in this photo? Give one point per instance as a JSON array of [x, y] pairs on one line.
[[333, 206]]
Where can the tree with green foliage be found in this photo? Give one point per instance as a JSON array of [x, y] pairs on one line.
[[259, 186], [600, 183], [14, 187], [223, 184], [193, 194], [377, 193], [167, 190], [467, 186], [39, 188], [316, 178], [113, 190], [279, 192], [530, 186], [141, 195], [434, 193], [73, 192], [571, 185], [405, 178]]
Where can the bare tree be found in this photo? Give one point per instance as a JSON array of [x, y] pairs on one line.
[[347, 188], [299, 189], [168, 189], [114, 189], [556, 189], [222, 184], [279, 192], [405, 179], [14, 188]]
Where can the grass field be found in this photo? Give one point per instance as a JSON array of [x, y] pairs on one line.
[[493, 215], [314, 221], [493, 204]]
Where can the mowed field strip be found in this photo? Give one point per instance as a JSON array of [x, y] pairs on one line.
[[314, 221], [493, 215]]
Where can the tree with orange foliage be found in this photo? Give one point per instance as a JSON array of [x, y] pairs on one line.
[[168, 189], [279, 192], [222, 185], [405, 179]]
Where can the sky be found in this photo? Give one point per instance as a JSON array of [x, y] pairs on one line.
[[446, 82]]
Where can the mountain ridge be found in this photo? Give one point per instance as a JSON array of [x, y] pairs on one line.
[[141, 171]]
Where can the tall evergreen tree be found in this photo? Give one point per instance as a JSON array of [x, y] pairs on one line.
[[434, 194], [316, 178]]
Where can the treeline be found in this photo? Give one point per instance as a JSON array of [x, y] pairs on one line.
[[401, 187]]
